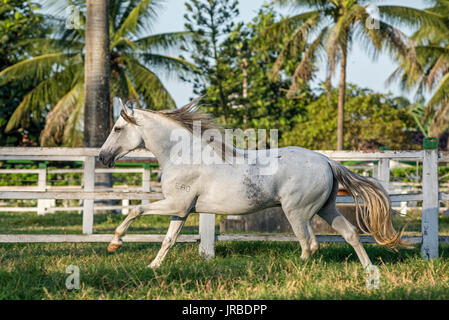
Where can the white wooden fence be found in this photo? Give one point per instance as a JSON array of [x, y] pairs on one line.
[[430, 197], [49, 206]]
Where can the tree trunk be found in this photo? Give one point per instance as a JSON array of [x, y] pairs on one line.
[[96, 80], [329, 90], [341, 99], [244, 67]]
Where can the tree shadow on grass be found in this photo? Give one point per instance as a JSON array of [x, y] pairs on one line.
[[329, 252], [160, 230], [32, 219], [9, 251]]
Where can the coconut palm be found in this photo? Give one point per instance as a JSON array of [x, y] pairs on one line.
[[430, 72], [326, 29], [136, 58], [97, 60]]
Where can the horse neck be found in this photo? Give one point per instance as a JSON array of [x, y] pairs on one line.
[[157, 131]]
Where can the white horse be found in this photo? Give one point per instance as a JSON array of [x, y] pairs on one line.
[[304, 184]]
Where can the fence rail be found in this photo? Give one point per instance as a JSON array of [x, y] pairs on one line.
[[430, 196]]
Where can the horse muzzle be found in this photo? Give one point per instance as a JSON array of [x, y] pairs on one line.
[[107, 160]]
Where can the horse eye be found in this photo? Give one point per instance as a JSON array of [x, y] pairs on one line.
[[117, 129]]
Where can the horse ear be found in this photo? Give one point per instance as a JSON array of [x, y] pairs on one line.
[[128, 110]]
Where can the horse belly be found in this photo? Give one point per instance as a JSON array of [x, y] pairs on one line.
[[242, 197]]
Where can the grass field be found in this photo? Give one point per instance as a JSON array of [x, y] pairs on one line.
[[241, 270]]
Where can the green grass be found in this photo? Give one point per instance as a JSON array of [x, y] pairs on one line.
[[241, 270], [71, 223]]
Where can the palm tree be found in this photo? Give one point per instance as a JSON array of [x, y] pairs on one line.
[[328, 29], [430, 72], [96, 78], [136, 57]]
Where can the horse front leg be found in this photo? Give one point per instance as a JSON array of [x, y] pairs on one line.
[[162, 207], [116, 241]]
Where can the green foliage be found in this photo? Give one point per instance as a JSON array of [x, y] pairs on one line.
[[422, 119], [329, 28], [371, 120], [253, 100], [137, 57], [259, 101], [210, 20], [19, 23], [429, 71], [257, 98], [62, 179]]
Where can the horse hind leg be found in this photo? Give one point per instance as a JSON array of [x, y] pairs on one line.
[[337, 221], [314, 245], [306, 236], [300, 227], [175, 227], [349, 232]]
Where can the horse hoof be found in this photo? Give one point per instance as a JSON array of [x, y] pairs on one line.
[[314, 248], [113, 247]]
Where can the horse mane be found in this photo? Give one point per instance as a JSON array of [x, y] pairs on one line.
[[186, 118], [188, 114]]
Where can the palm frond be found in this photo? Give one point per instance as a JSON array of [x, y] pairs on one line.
[[57, 17], [46, 93], [138, 20], [300, 4], [409, 17], [431, 34], [147, 83], [286, 26], [419, 114], [73, 132], [303, 72], [441, 95], [438, 70], [132, 92], [56, 120], [124, 44], [169, 65], [34, 68], [52, 45], [165, 41], [294, 44], [440, 120]]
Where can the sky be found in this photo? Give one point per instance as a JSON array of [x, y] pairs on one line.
[[362, 71]]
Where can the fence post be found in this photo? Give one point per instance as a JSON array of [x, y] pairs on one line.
[[125, 203], [42, 204], [431, 204], [146, 178], [207, 235], [383, 172], [89, 185]]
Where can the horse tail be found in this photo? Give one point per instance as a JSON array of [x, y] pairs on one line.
[[375, 215]]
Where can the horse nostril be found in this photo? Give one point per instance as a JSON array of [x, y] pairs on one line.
[[101, 158]]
